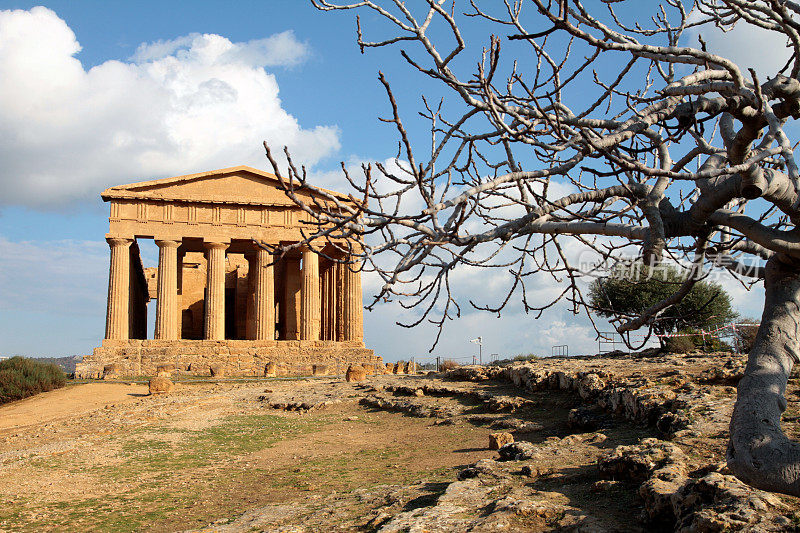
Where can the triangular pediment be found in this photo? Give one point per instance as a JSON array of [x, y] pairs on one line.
[[238, 185]]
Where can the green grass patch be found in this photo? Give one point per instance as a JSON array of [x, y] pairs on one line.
[[236, 436], [21, 377]]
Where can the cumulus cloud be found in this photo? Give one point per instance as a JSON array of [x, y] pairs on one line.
[[188, 104], [746, 45]]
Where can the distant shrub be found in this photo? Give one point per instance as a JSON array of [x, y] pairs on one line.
[[694, 341], [523, 357], [448, 364], [679, 344], [21, 377]]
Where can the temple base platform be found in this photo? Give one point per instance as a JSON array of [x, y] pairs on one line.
[[231, 358]]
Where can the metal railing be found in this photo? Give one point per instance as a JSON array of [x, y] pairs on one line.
[[560, 350]]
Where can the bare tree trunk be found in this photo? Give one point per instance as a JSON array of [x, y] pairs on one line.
[[759, 453]]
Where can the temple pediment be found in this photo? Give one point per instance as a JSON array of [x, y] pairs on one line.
[[236, 185]]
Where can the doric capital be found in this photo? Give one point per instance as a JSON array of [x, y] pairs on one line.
[[216, 245], [117, 242], [167, 243]]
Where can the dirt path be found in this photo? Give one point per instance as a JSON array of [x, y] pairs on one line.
[[67, 402]]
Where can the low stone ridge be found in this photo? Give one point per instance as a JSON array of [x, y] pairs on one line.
[[409, 407], [636, 399]]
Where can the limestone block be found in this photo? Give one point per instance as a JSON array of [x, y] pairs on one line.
[[369, 369], [398, 368], [270, 370], [281, 371], [113, 343], [217, 370], [389, 368], [500, 439], [305, 370], [355, 373], [160, 385]]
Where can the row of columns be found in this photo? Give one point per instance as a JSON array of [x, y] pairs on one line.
[[167, 325]]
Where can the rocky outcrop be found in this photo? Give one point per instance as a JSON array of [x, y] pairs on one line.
[[713, 502], [409, 407], [636, 400]]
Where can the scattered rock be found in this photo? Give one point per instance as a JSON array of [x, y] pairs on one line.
[[355, 373], [270, 370], [587, 419], [497, 440], [518, 451], [481, 468], [160, 385]]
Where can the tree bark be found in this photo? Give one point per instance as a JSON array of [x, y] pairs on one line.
[[759, 453]]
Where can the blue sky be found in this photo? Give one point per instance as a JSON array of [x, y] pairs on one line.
[[73, 128]]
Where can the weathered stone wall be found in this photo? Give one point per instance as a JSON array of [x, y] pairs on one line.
[[236, 357]]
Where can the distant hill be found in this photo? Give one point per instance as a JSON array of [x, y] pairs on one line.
[[67, 364]]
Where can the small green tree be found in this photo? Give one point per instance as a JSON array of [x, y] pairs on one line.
[[630, 290]]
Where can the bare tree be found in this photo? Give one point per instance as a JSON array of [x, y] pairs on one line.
[[666, 151]]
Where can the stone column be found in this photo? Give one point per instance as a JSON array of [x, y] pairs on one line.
[[215, 291], [250, 328], [264, 296], [310, 297], [291, 298], [339, 275], [353, 307], [332, 307], [167, 291], [119, 279]]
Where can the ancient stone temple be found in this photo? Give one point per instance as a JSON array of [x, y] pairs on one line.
[[221, 299]]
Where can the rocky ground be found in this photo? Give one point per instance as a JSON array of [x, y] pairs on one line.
[[600, 444]]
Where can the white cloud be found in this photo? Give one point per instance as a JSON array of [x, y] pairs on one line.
[[281, 49], [193, 103], [51, 275], [746, 45]]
